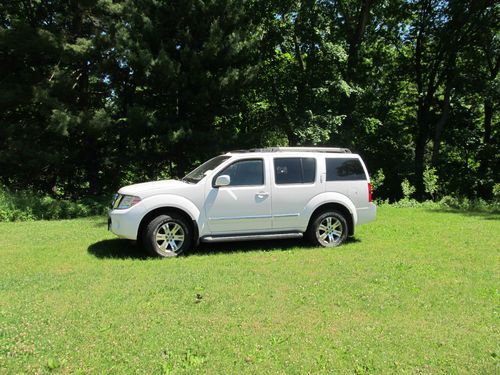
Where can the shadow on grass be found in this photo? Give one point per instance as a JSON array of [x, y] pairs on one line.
[[262, 245], [485, 215], [125, 249], [116, 249], [246, 246]]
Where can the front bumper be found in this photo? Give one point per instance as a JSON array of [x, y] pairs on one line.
[[125, 223]]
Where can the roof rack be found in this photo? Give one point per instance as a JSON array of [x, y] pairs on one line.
[[298, 149]]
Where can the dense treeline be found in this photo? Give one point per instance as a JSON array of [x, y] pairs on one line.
[[99, 93]]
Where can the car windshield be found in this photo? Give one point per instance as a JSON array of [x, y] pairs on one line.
[[196, 175]]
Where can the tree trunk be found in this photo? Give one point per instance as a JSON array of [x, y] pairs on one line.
[[350, 76], [356, 38], [93, 174], [486, 155], [440, 125], [421, 133], [420, 143], [289, 122], [486, 152], [488, 115], [301, 86]]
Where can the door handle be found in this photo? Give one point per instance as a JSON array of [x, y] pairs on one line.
[[262, 194]]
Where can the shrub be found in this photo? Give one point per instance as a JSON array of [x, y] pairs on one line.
[[496, 192], [464, 203], [412, 203], [25, 205], [430, 181], [408, 189], [377, 180]]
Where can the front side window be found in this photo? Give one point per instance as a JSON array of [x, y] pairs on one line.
[[343, 169], [294, 170], [245, 173]]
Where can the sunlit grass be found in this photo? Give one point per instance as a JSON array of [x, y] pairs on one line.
[[415, 292]]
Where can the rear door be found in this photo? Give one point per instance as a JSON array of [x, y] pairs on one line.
[[295, 181]]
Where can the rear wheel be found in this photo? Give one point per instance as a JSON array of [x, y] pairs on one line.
[[328, 229], [167, 236]]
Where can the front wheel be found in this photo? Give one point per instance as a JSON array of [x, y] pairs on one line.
[[167, 236], [328, 229]]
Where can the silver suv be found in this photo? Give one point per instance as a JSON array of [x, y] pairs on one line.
[[271, 193]]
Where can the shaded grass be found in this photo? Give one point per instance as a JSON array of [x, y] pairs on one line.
[[416, 292]]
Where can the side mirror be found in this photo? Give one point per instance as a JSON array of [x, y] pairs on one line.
[[222, 180]]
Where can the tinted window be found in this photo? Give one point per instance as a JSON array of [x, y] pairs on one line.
[[308, 169], [245, 172], [339, 169], [294, 170]]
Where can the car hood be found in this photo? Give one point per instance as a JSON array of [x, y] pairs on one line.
[[148, 188]]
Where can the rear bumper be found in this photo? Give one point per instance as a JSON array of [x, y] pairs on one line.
[[366, 214]]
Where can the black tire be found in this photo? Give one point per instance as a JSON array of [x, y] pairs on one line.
[[174, 229], [322, 234]]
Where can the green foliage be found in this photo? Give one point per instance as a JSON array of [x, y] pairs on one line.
[[472, 205], [100, 93], [27, 206], [53, 364], [413, 203], [407, 188], [430, 181], [448, 202], [377, 180], [496, 192]]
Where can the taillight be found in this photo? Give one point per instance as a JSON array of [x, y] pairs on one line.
[[369, 192]]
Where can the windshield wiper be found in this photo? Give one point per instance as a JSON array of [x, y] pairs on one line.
[[189, 180]]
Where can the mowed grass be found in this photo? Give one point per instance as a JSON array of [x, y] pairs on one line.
[[415, 292]]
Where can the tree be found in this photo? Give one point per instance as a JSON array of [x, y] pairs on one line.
[[437, 31], [184, 67], [54, 57], [99, 93]]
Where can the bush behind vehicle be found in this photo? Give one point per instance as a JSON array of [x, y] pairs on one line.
[[25, 205]]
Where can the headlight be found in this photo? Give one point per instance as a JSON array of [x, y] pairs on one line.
[[127, 201]]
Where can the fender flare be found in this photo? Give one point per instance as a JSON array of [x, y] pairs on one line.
[[172, 201], [330, 197]]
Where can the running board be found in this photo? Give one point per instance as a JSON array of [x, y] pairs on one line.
[[252, 237]]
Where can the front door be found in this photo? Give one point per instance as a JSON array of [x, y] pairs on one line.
[[244, 206]]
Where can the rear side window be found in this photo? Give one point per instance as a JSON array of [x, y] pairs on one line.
[[294, 170], [340, 169], [245, 173]]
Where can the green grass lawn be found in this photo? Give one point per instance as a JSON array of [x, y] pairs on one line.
[[415, 292]]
